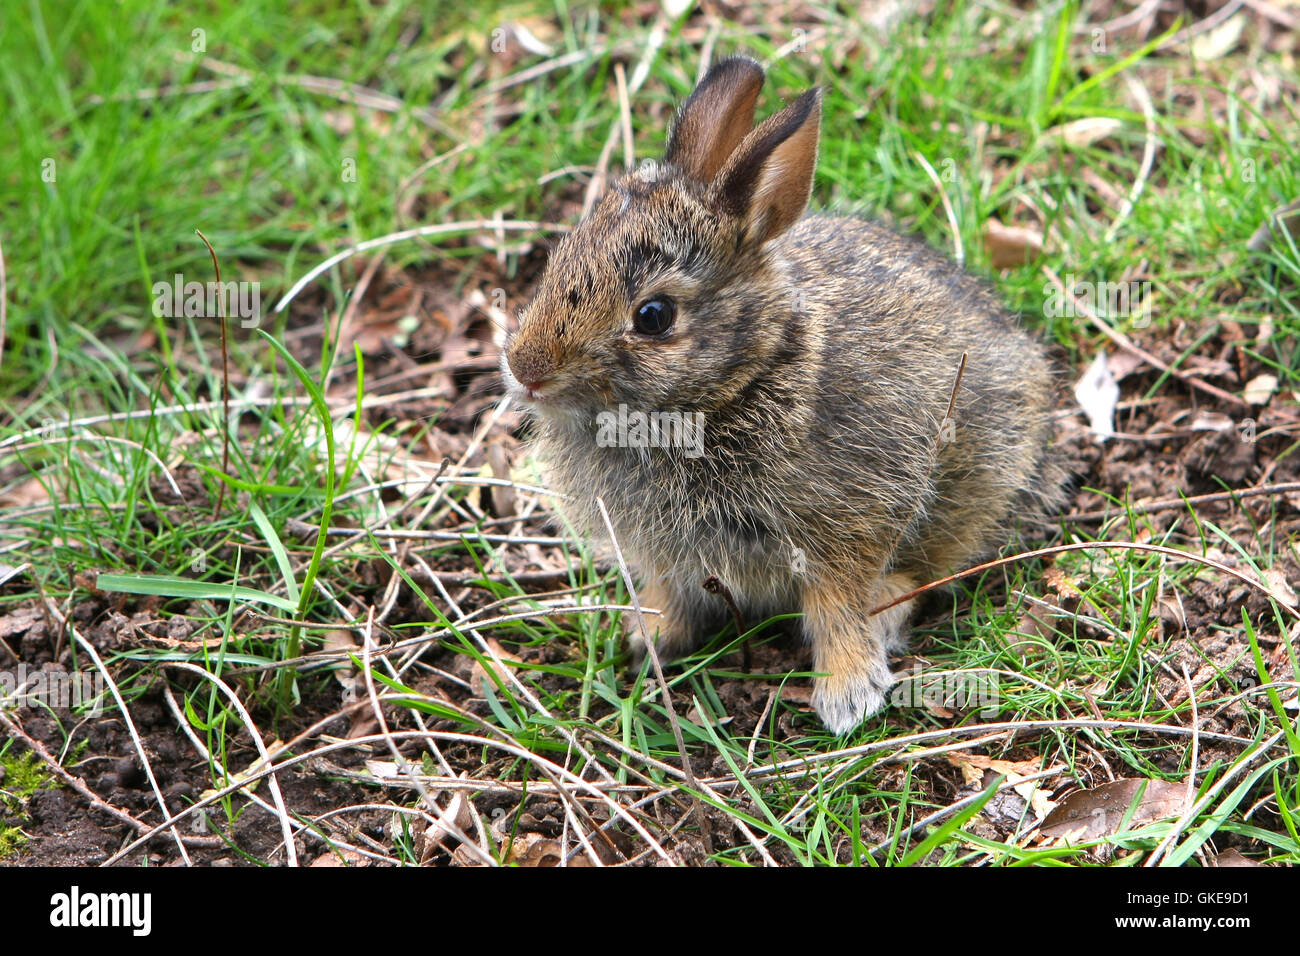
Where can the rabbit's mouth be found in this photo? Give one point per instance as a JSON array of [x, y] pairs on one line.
[[529, 392], [541, 396]]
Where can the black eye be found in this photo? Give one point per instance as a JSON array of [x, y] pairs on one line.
[[655, 317]]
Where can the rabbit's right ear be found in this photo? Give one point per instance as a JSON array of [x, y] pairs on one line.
[[768, 179], [715, 118]]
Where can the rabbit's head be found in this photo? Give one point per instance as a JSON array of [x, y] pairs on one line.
[[659, 297]]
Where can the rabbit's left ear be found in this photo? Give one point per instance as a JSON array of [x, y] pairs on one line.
[[715, 118], [768, 179]]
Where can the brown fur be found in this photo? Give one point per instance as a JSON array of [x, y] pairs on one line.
[[821, 353]]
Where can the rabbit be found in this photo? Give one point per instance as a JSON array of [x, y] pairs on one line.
[[813, 360]]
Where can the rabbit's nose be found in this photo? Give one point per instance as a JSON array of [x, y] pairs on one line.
[[530, 366]]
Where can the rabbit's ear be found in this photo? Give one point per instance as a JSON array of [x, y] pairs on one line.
[[715, 118], [768, 179]]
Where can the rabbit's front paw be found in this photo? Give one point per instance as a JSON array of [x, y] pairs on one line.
[[670, 642], [851, 647], [845, 698], [670, 634]]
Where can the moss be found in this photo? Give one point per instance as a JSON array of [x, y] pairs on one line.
[[24, 774]]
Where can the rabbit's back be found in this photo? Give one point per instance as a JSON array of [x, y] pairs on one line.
[[897, 318]]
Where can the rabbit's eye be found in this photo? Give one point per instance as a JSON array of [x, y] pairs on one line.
[[655, 316]]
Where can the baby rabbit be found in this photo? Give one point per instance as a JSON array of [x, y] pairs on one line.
[[815, 358]]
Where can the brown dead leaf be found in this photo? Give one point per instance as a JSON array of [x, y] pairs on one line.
[[533, 849], [478, 673], [1082, 132], [974, 766], [1171, 612], [1232, 857], [1061, 582], [1217, 43], [1010, 246], [20, 620], [1278, 586], [1286, 218], [503, 496], [799, 696], [26, 494], [696, 717], [341, 641], [1091, 814], [458, 812], [1260, 389], [339, 858], [1035, 625]]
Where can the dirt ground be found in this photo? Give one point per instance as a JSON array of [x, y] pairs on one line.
[[1182, 441]]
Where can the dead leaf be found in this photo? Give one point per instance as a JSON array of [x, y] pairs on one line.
[[695, 717], [1171, 610], [1232, 857], [937, 710], [1039, 801], [533, 849], [362, 721], [1276, 582], [503, 496], [1216, 43], [1092, 814], [341, 641], [478, 673], [1283, 219], [973, 767], [1035, 628], [458, 812], [1207, 421], [383, 769], [799, 696], [1098, 394], [1082, 132], [982, 762], [1061, 582], [1123, 364], [1010, 246], [339, 858], [1260, 389], [20, 620], [26, 494]]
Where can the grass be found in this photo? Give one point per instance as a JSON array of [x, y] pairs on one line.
[[24, 774], [104, 405]]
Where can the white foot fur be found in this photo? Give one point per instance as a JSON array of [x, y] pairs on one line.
[[852, 648]]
